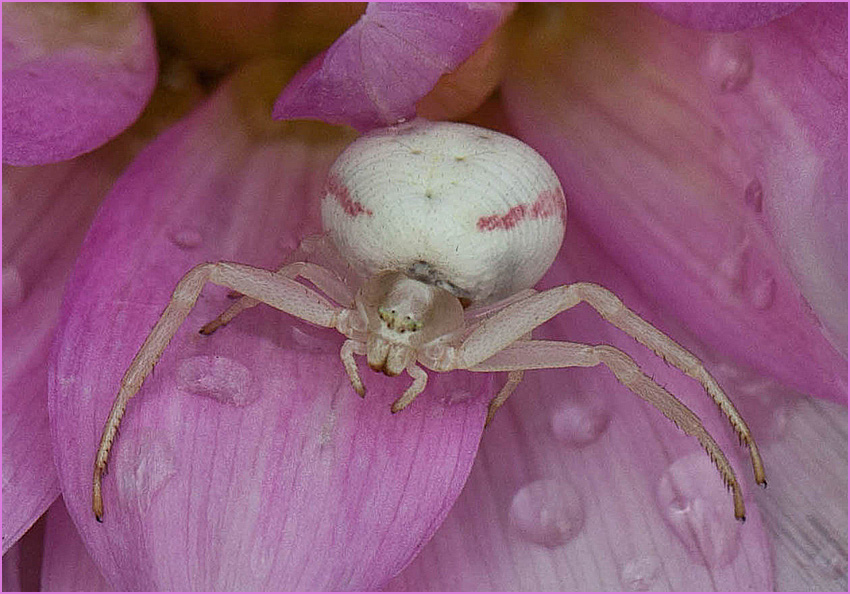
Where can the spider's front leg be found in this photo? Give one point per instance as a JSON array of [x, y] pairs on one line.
[[511, 323], [263, 285]]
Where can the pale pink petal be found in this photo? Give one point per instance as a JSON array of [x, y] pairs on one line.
[[787, 111], [67, 565], [722, 16], [629, 126], [247, 461], [377, 71], [581, 486], [74, 76], [805, 506]]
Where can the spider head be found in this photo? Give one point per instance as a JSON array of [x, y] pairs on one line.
[[403, 315]]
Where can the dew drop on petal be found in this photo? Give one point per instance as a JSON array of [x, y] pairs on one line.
[[578, 423], [640, 575], [698, 508], [13, 287], [728, 63], [457, 395], [153, 465], [754, 195], [186, 237], [547, 512], [762, 292], [222, 378]]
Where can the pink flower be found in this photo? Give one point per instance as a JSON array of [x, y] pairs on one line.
[[247, 462]]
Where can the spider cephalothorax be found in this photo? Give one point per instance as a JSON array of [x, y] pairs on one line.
[[447, 226]]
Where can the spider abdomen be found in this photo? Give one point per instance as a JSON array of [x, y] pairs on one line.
[[474, 211]]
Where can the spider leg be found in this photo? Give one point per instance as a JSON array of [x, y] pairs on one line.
[[324, 279], [420, 378], [514, 379], [545, 354], [262, 285], [509, 325], [346, 353]]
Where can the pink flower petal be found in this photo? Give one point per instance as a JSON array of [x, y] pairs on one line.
[[628, 125], [22, 562], [377, 71], [581, 486], [792, 129], [67, 565], [74, 76], [247, 461], [722, 16], [46, 212]]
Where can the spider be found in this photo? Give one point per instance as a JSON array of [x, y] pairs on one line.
[[447, 227]]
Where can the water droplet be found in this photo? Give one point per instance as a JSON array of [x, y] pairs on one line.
[[186, 237], [578, 423], [640, 575], [762, 292], [754, 195], [151, 466], [222, 378], [728, 64], [698, 509], [547, 512], [457, 395], [730, 277], [13, 287]]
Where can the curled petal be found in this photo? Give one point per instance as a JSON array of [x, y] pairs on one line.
[[246, 462], [382, 66], [74, 76], [629, 126], [722, 16]]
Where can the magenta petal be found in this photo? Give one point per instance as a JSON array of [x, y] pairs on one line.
[[74, 76], [46, 211], [722, 16], [67, 565], [790, 120], [375, 73], [581, 486], [247, 462], [628, 125]]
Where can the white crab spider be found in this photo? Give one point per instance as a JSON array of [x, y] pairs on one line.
[[449, 226]]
